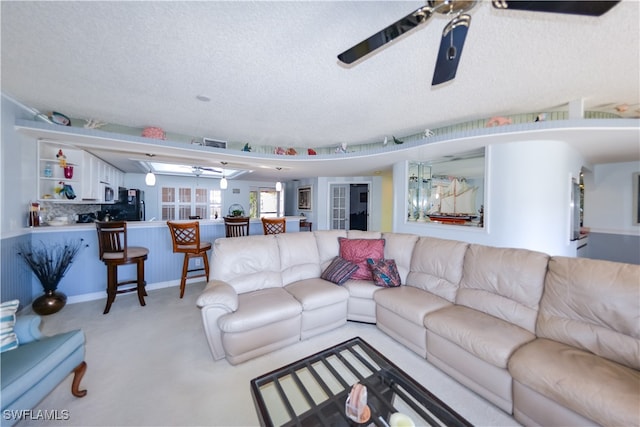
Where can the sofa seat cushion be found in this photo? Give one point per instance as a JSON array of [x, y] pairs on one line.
[[316, 293], [486, 337], [259, 308], [361, 288], [597, 388], [28, 364], [410, 303]]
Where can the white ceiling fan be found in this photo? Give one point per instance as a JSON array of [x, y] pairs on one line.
[[455, 32]]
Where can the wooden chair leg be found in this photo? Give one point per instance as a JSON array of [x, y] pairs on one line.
[[185, 270], [112, 287], [78, 373], [206, 265], [141, 282]]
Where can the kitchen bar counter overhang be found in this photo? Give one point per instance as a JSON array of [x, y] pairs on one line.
[[86, 279]]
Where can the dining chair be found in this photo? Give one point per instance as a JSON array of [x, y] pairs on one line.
[[236, 226], [114, 252], [274, 225], [186, 240]]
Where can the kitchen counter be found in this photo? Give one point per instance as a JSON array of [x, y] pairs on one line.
[[87, 276], [292, 225]]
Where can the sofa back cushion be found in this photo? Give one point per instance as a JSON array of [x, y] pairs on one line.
[[593, 305], [505, 283], [247, 263], [399, 247], [361, 234], [299, 257], [328, 245], [436, 266]]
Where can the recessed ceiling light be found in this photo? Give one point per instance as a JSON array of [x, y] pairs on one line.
[[203, 98]]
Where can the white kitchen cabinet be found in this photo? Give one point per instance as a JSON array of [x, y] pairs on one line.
[[90, 174], [51, 173], [90, 185]]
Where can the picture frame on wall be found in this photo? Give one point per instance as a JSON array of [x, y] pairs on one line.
[[304, 198]]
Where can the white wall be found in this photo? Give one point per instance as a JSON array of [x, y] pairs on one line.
[[527, 199], [19, 170], [608, 198]]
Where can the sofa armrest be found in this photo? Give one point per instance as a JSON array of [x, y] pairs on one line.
[[27, 328], [218, 293], [217, 299]]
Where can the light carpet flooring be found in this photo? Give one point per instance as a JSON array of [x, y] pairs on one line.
[[151, 366]]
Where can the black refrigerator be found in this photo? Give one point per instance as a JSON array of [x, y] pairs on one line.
[[130, 205]]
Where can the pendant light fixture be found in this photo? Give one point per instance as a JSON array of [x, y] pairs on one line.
[[278, 183], [150, 178], [223, 182]]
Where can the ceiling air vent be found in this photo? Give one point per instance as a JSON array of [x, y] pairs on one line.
[[208, 142]]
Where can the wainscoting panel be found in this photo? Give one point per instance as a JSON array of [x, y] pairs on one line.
[[16, 278]]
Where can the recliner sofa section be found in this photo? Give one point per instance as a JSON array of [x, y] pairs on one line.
[[551, 340]]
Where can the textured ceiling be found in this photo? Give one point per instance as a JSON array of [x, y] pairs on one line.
[[271, 71]]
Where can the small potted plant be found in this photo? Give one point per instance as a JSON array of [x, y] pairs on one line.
[[236, 210], [50, 263]]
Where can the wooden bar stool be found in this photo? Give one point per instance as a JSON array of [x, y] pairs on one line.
[[274, 225], [186, 240], [112, 243], [236, 226]]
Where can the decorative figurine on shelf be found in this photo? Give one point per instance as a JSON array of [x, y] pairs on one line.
[[279, 150], [62, 159], [65, 191], [386, 140], [153, 132], [428, 133], [356, 405], [246, 147], [342, 148], [291, 151], [311, 152], [396, 140], [93, 124], [541, 117], [498, 121]]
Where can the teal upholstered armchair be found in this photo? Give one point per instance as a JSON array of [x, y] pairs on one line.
[[39, 363]]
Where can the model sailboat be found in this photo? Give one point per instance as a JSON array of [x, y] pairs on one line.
[[457, 202]]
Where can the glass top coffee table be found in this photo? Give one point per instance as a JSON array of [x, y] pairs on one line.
[[313, 391]]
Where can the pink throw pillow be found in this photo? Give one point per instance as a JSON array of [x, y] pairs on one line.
[[358, 251]]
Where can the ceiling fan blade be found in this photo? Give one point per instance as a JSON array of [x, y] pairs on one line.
[[211, 169], [453, 37], [590, 8], [393, 31]]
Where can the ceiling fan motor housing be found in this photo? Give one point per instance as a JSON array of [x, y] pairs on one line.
[[448, 7]]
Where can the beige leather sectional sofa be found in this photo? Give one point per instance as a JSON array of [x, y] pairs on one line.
[[551, 340]]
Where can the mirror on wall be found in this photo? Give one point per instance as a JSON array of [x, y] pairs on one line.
[[448, 190]]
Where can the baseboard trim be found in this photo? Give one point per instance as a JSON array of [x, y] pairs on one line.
[[102, 295]]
